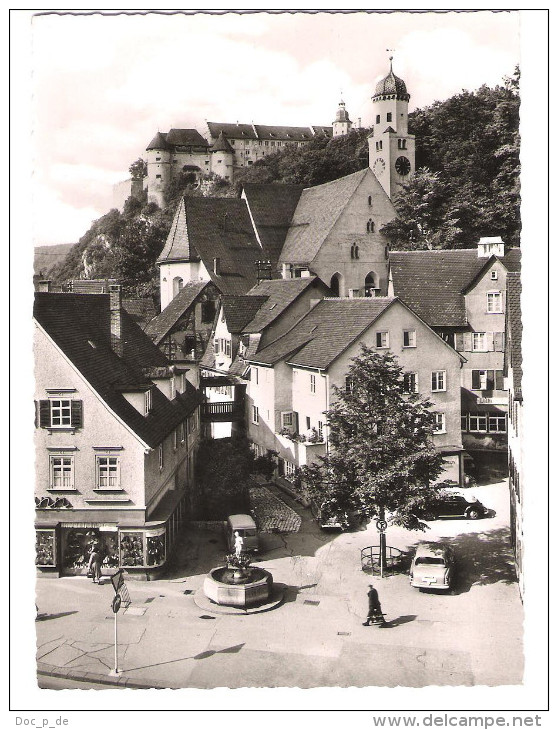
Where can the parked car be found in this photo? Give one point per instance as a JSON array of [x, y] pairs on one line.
[[330, 519], [246, 528], [455, 504], [433, 566]]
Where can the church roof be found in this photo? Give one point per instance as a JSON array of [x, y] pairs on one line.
[[433, 283], [221, 144], [216, 228], [391, 85], [318, 209], [79, 324], [272, 206]]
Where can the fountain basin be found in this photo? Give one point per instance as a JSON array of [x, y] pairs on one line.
[[221, 587]]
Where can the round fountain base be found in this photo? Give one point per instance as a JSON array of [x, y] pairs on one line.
[[229, 587], [210, 607]]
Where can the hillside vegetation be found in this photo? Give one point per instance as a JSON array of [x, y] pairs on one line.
[[466, 186]]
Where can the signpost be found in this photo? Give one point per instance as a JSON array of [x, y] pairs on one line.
[[382, 526], [117, 581]]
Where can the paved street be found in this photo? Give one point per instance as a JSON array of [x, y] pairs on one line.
[[315, 638]]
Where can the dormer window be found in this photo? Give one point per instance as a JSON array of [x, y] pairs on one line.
[[148, 401]]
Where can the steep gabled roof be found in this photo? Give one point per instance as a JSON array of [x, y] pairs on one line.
[[240, 310], [514, 330], [141, 310], [433, 283], [325, 332], [79, 324], [316, 214], [279, 294], [216, 228], [158, 327], [272, 207]]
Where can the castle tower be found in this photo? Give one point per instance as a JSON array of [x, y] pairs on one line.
[[341, 124], [222, 155], [158, 168], [391, 149]]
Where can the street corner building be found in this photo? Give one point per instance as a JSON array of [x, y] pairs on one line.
[[116, 432]]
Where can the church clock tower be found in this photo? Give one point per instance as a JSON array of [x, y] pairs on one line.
[[391, 149]]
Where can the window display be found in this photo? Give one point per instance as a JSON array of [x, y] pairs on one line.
[[131, 548], [45, 547]]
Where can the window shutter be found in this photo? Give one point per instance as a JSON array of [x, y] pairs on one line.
[[77, 414], [499, 341], [490, 341], [490, 379], [499, 380], [459, 341], [476, 380], [467, 342], [44, 413]]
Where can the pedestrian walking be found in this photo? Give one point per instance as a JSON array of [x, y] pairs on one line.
[[374, 607], [95, 560]]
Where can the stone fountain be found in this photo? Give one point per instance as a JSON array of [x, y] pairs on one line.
[[238, 583]]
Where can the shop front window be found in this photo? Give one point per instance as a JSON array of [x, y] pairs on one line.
[[156, 549], [45, 545], [131, 548]]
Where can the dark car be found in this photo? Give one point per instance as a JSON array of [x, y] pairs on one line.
[[449, 504]]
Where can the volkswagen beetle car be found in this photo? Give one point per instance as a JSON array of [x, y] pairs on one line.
[[433, 567], [455, 504]]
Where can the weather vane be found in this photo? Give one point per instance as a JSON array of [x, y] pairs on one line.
[[390, 50]]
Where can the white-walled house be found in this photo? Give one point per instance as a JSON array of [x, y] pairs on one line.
[[291, 381], [461, 294], [116, 433]]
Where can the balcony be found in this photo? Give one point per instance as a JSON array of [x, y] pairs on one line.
[[222, 411]]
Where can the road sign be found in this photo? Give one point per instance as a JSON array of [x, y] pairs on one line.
[[116, 603], [381, 525], [117, 580]]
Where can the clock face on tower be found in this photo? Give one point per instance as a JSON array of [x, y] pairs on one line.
[[402, 166], [379, 167]]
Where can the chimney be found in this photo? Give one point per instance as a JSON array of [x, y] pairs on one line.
[[116, 340], [216, 265], [359, 122]]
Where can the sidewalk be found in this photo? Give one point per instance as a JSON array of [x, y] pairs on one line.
[[315, 638]]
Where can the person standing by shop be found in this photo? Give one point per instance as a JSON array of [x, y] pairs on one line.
[[95, 561]]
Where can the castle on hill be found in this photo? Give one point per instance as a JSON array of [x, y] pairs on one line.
[[229, 147]]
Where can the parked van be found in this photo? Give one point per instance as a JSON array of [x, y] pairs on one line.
[[246, 528]]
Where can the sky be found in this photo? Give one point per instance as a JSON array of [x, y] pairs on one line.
[[104, 85]]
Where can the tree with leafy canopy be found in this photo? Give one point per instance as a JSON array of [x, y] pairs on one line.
[[223, 469], [382, 462], [138, 169]]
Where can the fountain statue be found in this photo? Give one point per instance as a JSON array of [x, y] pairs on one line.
[[238, 583]]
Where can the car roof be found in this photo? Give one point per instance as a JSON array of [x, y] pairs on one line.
[[241, 521]]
